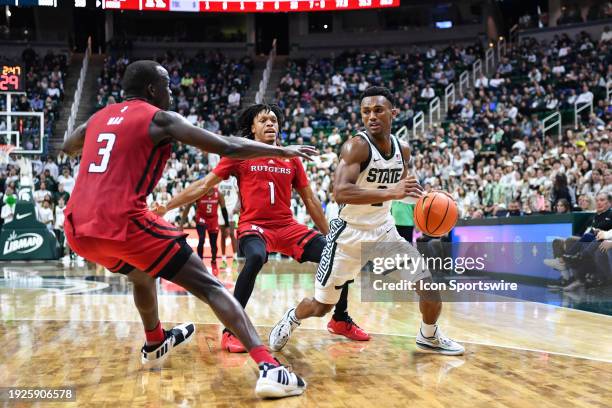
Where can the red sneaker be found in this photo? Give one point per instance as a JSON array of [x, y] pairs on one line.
[[215, 269], [231, 343], [347, 329]]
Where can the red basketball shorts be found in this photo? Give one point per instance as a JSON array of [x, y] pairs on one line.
[[288, 239], [152, 245], [211, 224]]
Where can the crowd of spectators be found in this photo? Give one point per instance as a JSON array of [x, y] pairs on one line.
[[44, 82], [570, 14], [207, 88], [489, 152], [53, 181]]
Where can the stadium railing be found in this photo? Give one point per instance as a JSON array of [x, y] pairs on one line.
[[418, 121], [501, 48], [464, 81], [555, 120], [77, 94], [476, 70], [489, 60], [263, 84], [434, 108], [578, 108], [449, 96]]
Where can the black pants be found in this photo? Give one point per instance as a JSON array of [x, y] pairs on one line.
[[254, 249], [212, 236]]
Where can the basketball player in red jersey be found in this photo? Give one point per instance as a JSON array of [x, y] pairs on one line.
[[266, 221], [207, 219], [124, 149]]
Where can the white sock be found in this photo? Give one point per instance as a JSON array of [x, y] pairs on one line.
[[428, 330], [293, 317], [223, 257]]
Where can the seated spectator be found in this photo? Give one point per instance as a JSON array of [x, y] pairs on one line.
[[567, 251], [44, 214], [562, 206], [66, 180]]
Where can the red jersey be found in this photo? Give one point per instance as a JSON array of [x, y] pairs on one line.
[[206, 208], [265, 187], [119, 167]]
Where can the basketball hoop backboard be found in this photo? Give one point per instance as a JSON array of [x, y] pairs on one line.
[[24, 130]]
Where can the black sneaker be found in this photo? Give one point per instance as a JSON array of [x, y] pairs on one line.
[[154, 356]]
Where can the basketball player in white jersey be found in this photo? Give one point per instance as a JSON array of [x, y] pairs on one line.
[[229, 189], [373, 171]]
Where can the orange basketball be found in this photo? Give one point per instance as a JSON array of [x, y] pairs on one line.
[[435, 214]]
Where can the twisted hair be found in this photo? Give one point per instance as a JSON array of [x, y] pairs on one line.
[[248, 115]]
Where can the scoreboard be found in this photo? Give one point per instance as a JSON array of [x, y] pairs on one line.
[[234, 6], [11, 78]]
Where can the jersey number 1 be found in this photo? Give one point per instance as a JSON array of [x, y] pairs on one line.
[[105, 152], [271, 184]]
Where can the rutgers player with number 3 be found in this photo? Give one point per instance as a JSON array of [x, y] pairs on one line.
[[124, 149], [373, 171], [266, 221]]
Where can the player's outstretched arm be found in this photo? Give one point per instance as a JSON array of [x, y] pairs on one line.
[[194, 191], [74, 142], [354, 153], [170, 124], [314, 208]]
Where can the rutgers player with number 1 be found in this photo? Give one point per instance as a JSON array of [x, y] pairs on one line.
[[266, 221], [124, 147]]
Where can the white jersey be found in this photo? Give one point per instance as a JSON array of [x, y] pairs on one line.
[[379, 172], [229, 189]]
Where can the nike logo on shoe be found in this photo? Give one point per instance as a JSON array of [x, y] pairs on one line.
[[22, 216]]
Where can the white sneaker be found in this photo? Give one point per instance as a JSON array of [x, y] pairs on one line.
[[439, 343], [279, 336], [575, 285], [154, 356], [555, 263], [278, 382]]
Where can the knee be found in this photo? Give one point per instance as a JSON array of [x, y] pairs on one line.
[[256, 259]]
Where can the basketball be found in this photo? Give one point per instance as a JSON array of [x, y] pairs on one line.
[[435, 214]]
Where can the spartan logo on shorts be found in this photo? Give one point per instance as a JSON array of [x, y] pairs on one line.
[[327, 257]]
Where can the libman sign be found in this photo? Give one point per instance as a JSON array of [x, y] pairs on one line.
[[22, 243], [25, 238]]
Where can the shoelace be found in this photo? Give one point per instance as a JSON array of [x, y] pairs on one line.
[[351, 323], [288, 367]]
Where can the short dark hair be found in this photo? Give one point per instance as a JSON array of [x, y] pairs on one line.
[[379, 91], [248, 115], [138, 75]]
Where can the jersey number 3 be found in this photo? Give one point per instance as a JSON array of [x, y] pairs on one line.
[[104, 151]]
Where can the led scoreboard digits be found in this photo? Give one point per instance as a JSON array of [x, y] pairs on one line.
[[11, 78], [244, 5], [234, 6]]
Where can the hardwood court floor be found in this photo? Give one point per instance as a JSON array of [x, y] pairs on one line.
[[70, 327]]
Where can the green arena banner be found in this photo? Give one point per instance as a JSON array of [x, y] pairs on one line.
[[25, 238]]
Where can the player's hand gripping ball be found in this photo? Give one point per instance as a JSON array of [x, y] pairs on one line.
[[435, 214]]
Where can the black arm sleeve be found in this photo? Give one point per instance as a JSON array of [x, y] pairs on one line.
[[225, 216]]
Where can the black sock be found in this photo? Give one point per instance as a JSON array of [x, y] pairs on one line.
[[340, 311]]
